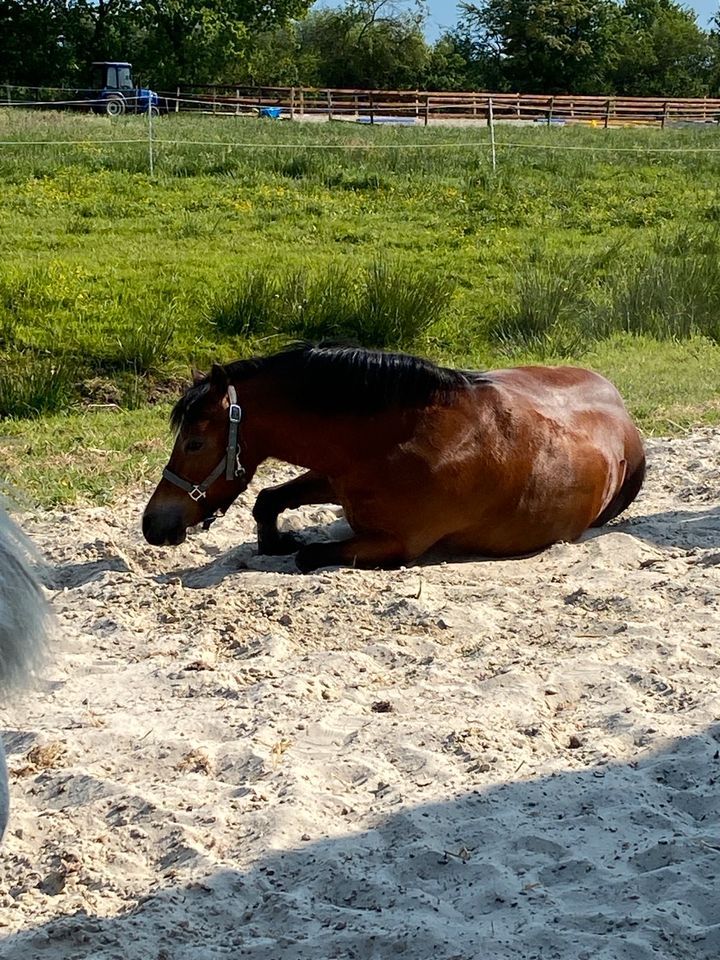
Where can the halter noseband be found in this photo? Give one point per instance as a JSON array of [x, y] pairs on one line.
[[230, 464]]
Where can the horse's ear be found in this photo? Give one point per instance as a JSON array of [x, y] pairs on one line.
[[197, 376], [219, 380]]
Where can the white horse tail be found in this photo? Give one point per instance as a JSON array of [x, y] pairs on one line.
[[24, 612], [24, 625]]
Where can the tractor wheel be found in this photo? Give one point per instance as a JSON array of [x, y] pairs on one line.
[[114, 106], [154, 111]]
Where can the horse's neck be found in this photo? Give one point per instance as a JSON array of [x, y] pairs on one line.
[[324, 442]]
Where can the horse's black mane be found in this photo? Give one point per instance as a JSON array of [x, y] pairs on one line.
[[331, 378]]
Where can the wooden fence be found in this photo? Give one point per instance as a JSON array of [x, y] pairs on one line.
[[413, 106]]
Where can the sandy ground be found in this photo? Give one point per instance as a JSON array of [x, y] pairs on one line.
[[455, 760]]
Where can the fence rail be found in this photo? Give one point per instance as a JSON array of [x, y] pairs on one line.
[[428, 106], [410, 106]]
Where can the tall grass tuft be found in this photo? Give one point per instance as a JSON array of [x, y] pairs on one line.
[[140, 338], [667, 297], [31, 386], [549, 312], [561, 306], [400, 304], [383, 305]]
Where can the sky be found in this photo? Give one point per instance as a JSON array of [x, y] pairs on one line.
[[443, 13]]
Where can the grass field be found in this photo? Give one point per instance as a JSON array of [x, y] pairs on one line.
[[588, 246]]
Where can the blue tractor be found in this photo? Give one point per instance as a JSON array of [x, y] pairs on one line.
[[114, 92]]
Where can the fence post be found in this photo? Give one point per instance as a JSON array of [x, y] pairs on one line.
[[372, 108], [177, 99], [302, 102], [9, 98], [150, 139], [491, 124], [427, 109], [214, 100], [417, 106], [329, 104], [356, 103], [607, 113], [292, 103], [664, 119], [550, 110]]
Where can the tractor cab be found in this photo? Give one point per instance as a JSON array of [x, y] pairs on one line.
[[112, 77], [114, 92]]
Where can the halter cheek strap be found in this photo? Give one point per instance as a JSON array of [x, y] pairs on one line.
[[230, 464]]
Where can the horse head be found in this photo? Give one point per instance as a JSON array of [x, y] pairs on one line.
[[205, 472]]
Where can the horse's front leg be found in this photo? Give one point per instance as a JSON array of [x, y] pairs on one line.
[[363, 550], [307, 488]]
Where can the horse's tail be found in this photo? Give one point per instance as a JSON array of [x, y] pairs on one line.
[[24, 612], [625, 495]]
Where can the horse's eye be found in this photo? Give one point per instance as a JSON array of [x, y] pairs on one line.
[[192, 446]]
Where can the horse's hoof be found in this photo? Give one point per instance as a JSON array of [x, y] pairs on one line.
[[280, 546], [311, 556]]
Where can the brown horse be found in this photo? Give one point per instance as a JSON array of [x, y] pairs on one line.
[[501, 463]]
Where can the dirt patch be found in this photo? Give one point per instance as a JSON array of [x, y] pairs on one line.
[[459, 759]]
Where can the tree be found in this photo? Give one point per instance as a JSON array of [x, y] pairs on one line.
[[661, 51], [168, 41], [34, 47], [366, 44], [547, 46], [457, 62], [640, 47]]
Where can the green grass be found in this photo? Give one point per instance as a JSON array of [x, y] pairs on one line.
[[381, 305], [87, 455], [113, 283]]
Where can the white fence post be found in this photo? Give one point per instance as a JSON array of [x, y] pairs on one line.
[[491, 124], [150, 135]]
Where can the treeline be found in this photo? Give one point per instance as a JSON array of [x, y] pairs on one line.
[[635, 47]]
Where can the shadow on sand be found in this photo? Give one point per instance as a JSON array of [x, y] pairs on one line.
[[688, 530], [618, 862]]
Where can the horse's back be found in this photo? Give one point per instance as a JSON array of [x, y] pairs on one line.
[[575, 404], [562, 393]]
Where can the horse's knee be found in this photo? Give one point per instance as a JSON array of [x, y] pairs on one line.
[[265, 507]]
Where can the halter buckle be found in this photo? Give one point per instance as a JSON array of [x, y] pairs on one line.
[[196, 493], [235, 413]]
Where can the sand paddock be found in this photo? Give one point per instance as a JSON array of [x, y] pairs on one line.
[[469, 760]]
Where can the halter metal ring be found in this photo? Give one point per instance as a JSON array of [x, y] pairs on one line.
[[197, 494]]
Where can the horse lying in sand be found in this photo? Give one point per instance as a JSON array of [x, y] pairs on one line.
[[24, 620], [502, 463]]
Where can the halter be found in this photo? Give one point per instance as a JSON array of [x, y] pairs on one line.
[[230, 463]]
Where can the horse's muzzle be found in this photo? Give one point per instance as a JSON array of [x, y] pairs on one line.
[[163, 531]]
